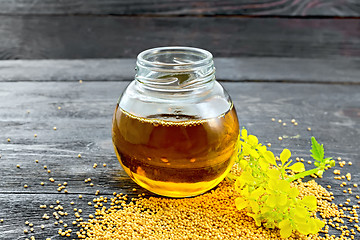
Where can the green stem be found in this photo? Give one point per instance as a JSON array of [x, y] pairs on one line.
[[231, 176], [302, 174]]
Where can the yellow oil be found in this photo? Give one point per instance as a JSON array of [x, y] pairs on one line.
[[177, 158]]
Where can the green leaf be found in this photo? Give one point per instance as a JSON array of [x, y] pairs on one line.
[[317, 150], [240, 203], [284, 156], [297, 167]]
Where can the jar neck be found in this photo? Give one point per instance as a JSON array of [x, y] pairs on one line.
[[175, 69]]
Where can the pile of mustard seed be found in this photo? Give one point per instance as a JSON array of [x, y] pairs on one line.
[[212, 215]]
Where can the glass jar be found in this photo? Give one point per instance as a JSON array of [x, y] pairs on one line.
[[175, 128]]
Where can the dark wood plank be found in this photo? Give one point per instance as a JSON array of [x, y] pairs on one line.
[[186, 7], [339, 70], [63, 37], [84, 123]]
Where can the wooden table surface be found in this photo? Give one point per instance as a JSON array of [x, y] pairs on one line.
[[321, 94]]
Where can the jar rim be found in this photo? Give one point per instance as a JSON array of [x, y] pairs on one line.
[[205, 57]]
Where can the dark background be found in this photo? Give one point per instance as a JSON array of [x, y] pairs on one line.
[[73, 29], [280, 59]]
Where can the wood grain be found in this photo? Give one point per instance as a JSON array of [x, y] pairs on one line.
[[83, 126], [341, 8], [270, 69], [73, 37]]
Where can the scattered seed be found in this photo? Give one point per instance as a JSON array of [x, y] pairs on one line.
[[295, 123], [269, 144], [59, 108], [18, 166], [35, 135], [104, 165], [284, 124], [293, 120], [280, 138], [273, 119], [54, 128], [37, 161], [9, 140], [25, 186], [80, 196], [309, 129], [79, 155]]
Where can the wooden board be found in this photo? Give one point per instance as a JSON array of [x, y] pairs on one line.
[[340, 70], [73, 37], [84, 124], [343, 8]]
